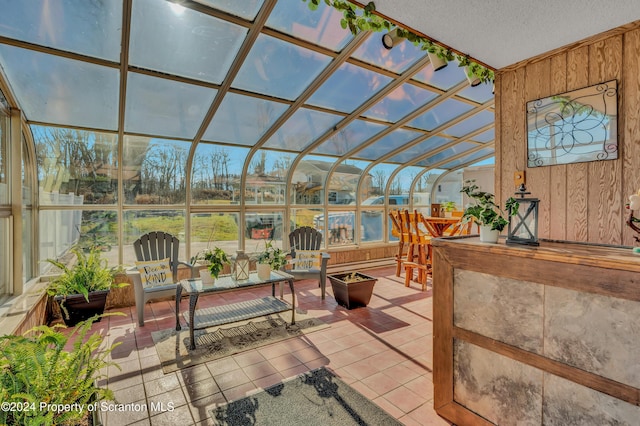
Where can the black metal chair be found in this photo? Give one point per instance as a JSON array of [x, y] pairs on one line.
[[307, 238]]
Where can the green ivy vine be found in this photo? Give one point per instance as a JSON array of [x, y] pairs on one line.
[[358, 19]]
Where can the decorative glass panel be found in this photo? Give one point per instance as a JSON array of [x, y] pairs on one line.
[[399, 103], [247, 9], [210, 230], [440, 114], [277, 68], [243, 119], [154, 170], [388, 143], [139, 222], [321, 27], [76, 166], [267, 177], [302, 128], [349, 137], [419, 150], [156, 106], [53, 89], [348, 87], [398, 59], [573, 127], [481, 119], [92, 28], [170, 38], [216, 171]]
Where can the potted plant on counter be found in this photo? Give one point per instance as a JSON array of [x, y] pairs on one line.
[[486, 213], [81, 290], [352, 289], [271, 259]]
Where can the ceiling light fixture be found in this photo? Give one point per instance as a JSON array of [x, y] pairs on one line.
[[391, 38]]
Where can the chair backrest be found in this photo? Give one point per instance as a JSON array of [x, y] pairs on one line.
[[157, 246], [415, 222], [395, 223], [305, 238]]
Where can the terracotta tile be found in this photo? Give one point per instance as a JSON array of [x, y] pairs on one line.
[[381, 383], [285, 362], [403, 398], [261, 369], [163, 384], [173, 416], [247, 358], [200, 408], [231, 379], [166, 401], [239, 392], [201, 389]]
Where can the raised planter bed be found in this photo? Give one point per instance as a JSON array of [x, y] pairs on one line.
[[352, 289]]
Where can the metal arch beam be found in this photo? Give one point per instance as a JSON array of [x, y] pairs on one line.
[[465, 138]]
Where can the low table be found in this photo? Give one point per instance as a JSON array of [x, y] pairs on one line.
[[235, 311]]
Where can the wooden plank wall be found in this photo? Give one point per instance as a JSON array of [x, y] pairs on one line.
[[585, 201]]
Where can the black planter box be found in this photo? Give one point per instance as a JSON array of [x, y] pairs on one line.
[[352, 294], [79, 309]]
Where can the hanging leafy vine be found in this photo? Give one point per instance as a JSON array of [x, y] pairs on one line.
[[358, 19]]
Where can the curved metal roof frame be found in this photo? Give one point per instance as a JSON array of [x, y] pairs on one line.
[[255, 28]]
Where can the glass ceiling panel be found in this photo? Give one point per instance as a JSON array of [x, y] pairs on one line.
[[399, 103], [470, 124], [243, 119], [277, 68], [157, 106], [419, 149], [302, 128], [348, 87], [439, 115], [480, 93], [170, 38], [449, 152], [388, 143], [320, 27], [90, 28], [349, 137], [485, 137], [471, 157], [444, 78], [247, 9], [52, 89], [398, 59]]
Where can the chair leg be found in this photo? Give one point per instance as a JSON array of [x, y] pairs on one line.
[[399, 258], [408, 275]]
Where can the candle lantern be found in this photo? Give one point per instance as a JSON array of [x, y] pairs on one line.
[[241, 266], [523, 227]]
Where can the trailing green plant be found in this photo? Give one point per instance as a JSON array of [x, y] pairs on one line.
[[485, 211], [35, 369], [274, 256], [214, 260], [358, 19], [449, 206], [89, 273]]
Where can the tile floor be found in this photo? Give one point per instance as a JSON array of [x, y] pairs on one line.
[[384, 351]]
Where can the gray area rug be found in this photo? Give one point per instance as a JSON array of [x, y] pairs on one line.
[[225, 340], [316, 398]]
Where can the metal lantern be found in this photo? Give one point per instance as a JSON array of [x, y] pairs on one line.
[[523, 227], [241, 266]]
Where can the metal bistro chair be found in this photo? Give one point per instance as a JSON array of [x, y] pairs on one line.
[[155, 246], [307, 238]]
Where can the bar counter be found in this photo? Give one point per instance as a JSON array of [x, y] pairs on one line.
[[536, 335]]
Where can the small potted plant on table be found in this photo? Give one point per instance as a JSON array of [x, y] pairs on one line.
[[352, 289], [271, 259], [214, 260], [82, 290]]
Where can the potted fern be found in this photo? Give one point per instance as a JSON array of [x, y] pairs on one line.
[[271, 259], [81, 290], [214, 260], [41, 367]]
